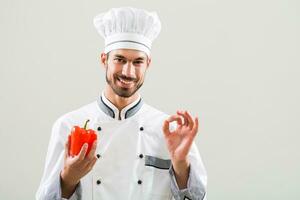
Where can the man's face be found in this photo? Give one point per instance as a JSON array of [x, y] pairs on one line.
[[125, 70]]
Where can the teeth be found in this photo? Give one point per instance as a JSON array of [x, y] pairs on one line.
[[125, 82]]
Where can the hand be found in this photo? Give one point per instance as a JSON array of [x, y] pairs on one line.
[[76, 167], [180, 141]]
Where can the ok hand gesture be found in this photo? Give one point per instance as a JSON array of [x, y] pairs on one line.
[[180, 140]]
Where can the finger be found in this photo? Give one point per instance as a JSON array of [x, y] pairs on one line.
[[179, 121], [190, 119], [175, 118], [83, 151], [184, 118], [91, 164], [93, 150], [166, 128], [195, 128]]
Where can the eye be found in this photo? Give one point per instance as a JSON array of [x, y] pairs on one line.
[[138, 62], [119, 60]]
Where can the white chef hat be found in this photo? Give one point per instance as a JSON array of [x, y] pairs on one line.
[[128, 28]]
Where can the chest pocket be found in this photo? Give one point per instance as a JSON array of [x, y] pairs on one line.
[[157, 178]]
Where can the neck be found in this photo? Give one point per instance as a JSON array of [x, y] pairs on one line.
[[119, 102]]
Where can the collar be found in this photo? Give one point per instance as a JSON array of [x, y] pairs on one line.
[[111, 110]]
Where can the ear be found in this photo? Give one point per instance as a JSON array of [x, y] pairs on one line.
[[149, 60], [103, 59]]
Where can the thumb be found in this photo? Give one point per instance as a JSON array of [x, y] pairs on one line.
[[67, 147]]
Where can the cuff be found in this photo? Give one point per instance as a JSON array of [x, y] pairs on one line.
[[195, 189]]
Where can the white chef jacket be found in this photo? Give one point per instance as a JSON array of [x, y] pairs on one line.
[[133, 159]]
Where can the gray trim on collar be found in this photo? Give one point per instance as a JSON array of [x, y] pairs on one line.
[[110, 112], [105, 108], [131, 111]]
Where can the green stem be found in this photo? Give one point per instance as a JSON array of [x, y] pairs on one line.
[[85, 125]]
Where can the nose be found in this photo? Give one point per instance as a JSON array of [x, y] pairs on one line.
[[128, 70]]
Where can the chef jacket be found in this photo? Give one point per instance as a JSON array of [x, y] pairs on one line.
[[133, 159]]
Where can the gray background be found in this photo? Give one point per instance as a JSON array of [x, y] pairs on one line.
[[233, 63]]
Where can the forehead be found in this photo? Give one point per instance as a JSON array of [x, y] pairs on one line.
[[130, 54]]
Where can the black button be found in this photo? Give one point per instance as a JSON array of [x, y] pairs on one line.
[[142, 128], [141, 156], [99, 128], [139, 182], [98, 155], [98, 182]]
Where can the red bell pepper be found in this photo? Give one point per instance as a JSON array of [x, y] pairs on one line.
[[79, 136]]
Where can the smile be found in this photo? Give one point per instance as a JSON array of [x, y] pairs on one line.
[[125, 81]]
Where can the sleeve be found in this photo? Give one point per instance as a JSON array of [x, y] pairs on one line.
[[50, 185], [197, 181]]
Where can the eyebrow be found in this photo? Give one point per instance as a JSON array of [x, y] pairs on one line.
[[120, 56]]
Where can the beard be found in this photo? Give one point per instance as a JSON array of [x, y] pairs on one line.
[[121, 91]]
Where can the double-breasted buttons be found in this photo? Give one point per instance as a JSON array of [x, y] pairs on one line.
[[141, 155], [139, 182], [99, 128], [141, 128], [98, 182]]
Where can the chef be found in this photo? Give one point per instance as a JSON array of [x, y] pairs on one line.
[[141, 153]]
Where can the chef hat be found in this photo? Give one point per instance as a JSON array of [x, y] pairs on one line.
[[128, 28]]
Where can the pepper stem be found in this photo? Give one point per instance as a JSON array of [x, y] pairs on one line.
[[85, 124]]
